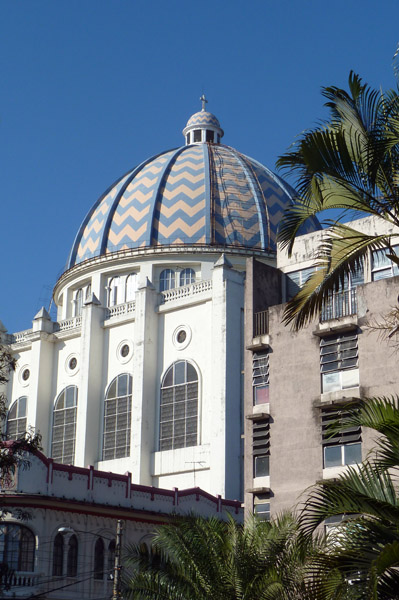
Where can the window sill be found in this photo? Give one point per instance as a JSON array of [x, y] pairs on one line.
[[349, 323], [334, 472], [260, 342], [261, 485], [340, 396], [260, 411]]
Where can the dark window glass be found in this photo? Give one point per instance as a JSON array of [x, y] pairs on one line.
[[99, 559], [72, 560], [197, 135], [58, 555], [209, 135]]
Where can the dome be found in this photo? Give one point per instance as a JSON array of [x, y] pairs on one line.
[[201, 194], [203, 118]]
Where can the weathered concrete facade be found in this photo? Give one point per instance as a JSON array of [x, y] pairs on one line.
[[292, 417]]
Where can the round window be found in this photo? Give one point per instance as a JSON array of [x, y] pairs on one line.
[[25, 374], [181, 336], [125, 350], [72, 364]]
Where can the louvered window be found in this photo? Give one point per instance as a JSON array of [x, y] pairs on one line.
[[341, 447], [261, 447], [260, 377], [179, 407], [262, 506], [117, 418], [339, 362], [64, 426], [16, 419]]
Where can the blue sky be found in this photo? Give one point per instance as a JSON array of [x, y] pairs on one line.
[[90, 88]]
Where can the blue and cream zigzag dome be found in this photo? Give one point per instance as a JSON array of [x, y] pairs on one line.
[[201, 194]]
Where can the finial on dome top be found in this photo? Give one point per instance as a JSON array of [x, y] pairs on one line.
[[204, 101]]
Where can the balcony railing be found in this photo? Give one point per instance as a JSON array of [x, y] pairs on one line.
[[68, 324], [121, 309], [261, 323], [340, 304], [187, 290]]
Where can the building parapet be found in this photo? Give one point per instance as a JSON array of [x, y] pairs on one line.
[[68, 324], [186, 291], [18, 337], [68, 483], [127, 308]]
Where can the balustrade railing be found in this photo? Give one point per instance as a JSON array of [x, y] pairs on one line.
[[120, 309], [19, 336], [187, 290], [68, 324], [24, 579], [339, 304], [261, 323]]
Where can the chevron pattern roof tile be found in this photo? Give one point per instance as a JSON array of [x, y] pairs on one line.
[[174, 197]]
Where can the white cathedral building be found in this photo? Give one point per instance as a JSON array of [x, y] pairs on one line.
[[137, 388]]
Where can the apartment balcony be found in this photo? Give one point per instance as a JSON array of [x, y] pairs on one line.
[[340, 304], [261, 323], [260, 331]]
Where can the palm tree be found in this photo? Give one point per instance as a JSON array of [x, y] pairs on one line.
[[349, 163], [365, 547], [210, 559]]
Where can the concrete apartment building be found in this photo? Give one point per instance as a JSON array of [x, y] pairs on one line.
[[295, 382]]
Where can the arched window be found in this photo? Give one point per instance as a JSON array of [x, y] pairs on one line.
[[99, 559], [187, 276], [179, 407], [117, 418], [116, 292], [58, 555], [166, 280], [131, 286], [72, 558], [78, 302], [64, 426], [16, 418], [17, 547], [111, 557]]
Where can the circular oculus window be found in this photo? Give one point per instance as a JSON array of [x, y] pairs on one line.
[[72, 364], [24, 375], [181, 337], [124, 351]]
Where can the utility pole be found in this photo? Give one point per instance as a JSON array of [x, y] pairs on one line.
[[116, 594]]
